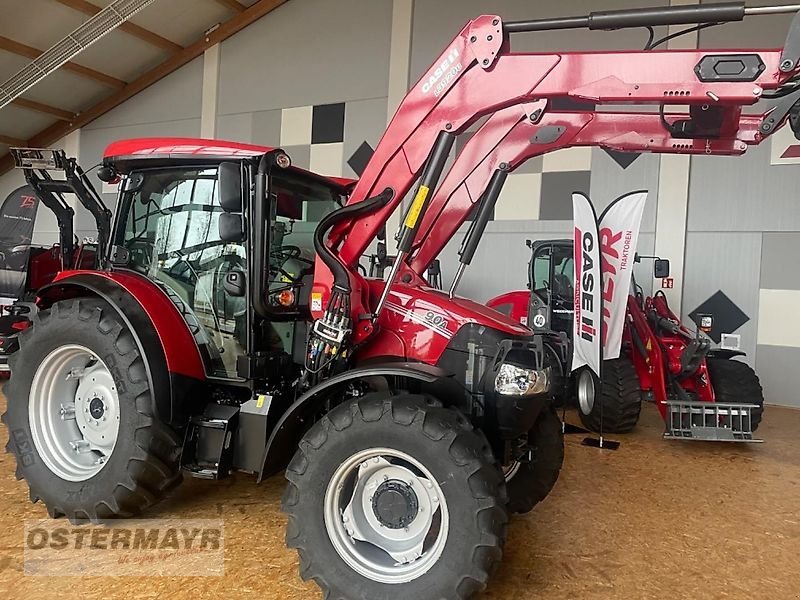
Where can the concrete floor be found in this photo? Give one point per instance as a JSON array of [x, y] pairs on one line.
[[653, 519]]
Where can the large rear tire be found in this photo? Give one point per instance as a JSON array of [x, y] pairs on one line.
[[530, 481], [613, 404], [80, 416], [395, 489], [735, 382]]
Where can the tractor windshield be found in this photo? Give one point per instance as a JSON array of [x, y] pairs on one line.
[[169, 226]]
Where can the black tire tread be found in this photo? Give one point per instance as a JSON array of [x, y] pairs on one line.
[[153, 469], [467, 448], [620, 396], [736, 382], [536, 479]]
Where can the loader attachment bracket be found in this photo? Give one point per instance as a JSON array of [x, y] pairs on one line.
[[37, 164]]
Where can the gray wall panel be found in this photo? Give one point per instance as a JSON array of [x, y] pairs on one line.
[[237, 127], [776, 367], [780, 269], [364, 121], [307, 53], [610, 181], [743, 193], [729, 262], [176, 97]]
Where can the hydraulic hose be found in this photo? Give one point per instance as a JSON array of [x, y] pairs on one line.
[[337, 267]]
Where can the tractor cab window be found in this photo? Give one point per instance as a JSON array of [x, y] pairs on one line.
[[540, 272], [298, 203], [170, 231], [563, 262]]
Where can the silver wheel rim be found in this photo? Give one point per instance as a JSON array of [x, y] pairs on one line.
[[386, 554], [73, 411], [586, 392]]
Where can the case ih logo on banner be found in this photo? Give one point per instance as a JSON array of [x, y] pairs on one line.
[[588, 299], [619, 234], [608, 249], [17, 216]]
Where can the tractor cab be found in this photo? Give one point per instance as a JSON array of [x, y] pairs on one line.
[[240, 272], [551, 274]]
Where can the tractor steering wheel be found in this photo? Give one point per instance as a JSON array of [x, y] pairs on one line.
[[281, 256]]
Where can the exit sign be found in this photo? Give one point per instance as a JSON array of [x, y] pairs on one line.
[[667, 283]]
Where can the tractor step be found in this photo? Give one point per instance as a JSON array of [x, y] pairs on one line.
[[710, 421], [207, 446]]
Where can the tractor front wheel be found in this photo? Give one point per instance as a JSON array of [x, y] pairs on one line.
[[80, 416], [529, 481], [735, 382], [395, 489], [613, 404]]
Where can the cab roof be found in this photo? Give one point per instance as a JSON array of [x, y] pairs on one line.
[[124, 153]]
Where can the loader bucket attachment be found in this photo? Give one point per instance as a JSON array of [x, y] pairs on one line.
[[710, 421]]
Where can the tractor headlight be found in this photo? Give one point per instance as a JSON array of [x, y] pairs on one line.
[[512, 380]]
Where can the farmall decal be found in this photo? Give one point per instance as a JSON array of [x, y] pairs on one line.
[[443, 75]]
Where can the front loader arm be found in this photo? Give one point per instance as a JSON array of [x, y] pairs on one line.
[[510, 137], [478, 75]]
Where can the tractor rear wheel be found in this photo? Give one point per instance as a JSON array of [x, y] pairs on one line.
[[80, 416], [735, 382], [613, 404], [530, 481], [395, 489]]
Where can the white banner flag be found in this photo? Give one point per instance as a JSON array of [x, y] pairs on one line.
[[619, 234], [588, 300]]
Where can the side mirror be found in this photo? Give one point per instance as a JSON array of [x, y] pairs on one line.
[[234, 284], [229, 179], [231, 228], [661, 268]]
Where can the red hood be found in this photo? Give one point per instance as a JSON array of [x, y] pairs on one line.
[[419, 323]]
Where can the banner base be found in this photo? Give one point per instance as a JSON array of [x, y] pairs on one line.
[[601, 443]]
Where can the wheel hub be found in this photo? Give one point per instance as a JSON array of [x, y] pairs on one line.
[[395, 504], [96, 407]]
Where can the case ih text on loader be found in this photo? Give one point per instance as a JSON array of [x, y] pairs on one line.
[[200, 343], [700, 392]]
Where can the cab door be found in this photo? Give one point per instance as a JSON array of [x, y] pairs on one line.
[[540, 275]]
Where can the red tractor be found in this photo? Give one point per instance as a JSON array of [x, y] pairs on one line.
[[700, 392], [226, 324]]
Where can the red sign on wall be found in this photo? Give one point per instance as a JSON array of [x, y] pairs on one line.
[[667, 283]]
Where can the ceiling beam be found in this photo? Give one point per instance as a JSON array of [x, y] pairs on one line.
[[63, 115], [11, 141], [21, 49], [128, 27], [232, 5], [233, 25]]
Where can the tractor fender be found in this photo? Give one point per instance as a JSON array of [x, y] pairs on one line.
[[160, 333], [292, 424], [725, 353]]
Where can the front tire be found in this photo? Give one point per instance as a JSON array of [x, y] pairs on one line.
[[530, 481], [80, 416], [735, 382], [394, 489], [613, 404]]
